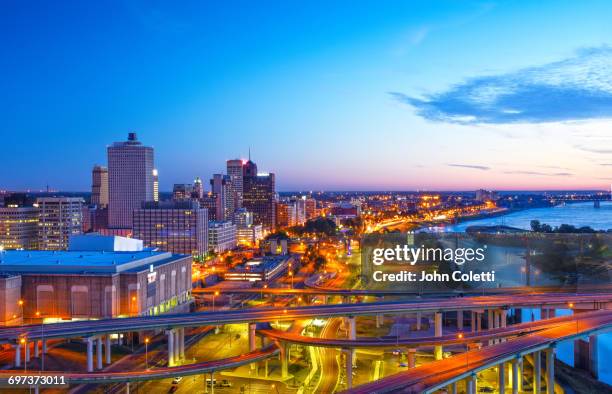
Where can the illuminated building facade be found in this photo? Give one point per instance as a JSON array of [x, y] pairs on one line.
[[130, 180], [173, 226], [18, 227], [58, 219], [259, 196]]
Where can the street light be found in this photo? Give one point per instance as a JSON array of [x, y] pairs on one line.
[[20, 303], [42, 329], [147, 353], [215, 294], [25, 361]]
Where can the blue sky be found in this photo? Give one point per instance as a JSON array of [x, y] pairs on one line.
[[329, 95]]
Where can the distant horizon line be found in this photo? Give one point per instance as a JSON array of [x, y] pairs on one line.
[[357, 191]]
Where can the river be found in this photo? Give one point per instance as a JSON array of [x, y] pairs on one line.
[[576, 214]]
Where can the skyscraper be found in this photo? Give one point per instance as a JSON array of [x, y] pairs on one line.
[[130, 180], [222, 187], [198, 188], [59, 218], [234, 171], [259, 196], [99, 186]]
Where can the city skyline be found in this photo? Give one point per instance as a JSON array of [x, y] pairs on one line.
[[405, 97]]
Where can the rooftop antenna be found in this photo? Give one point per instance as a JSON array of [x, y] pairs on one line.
[[249, 153]]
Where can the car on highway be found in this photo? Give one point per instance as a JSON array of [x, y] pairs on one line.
[[177, 380], [224, 383]]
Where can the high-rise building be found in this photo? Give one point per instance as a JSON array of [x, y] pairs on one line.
[[259, 196], [130, 180], [58, 219], [210, 203], [182, 191], [99, 186], [173, 226], [247, 233], [221, 185], [221, 236], [18, 227], [155, 185], [242, 218], [234, 171], [198, 188]]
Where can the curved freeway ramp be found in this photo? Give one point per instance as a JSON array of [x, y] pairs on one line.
[[143, 323], [151, 374], [437, 374], [452, 339]]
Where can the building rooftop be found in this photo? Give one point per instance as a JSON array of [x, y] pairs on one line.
[[81, 262]]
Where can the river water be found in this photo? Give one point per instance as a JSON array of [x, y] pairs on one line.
[[577, 214]]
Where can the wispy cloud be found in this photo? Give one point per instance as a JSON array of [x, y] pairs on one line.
[[577, 88], [470, 166], [593, 149], [539, 173]]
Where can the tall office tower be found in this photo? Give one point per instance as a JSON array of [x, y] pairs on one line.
[[173, 226], [286, 214], [221, 186], [198, 188], [234, 171], [300, 210], [18, 227], [259, 195], [182, 191], [99, 186], [209, 202], [58, 219], [155, 185], [130, 180]]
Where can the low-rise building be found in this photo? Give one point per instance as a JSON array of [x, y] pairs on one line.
[[100, 277], [262, 269]]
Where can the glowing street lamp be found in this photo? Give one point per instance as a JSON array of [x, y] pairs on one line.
[[215, 294], [147, 340]]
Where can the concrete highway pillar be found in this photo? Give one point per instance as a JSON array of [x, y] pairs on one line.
[[177, 345], [348, 353], [127, 388], [18, 355], [252, 337], [44, 346], [378, 320], [471, 384], [27, 352], [411, 357], [90, 345], [284, 354], [515, 376], [460, 320], [473, 321], [418, 321], [550, 370], [181, 348], [108, 348], [170, 334], [99, 352], [491, 319], [36, 351], [593, 356], [537, 372], [438, 333], [352, 332], [478, 321], [502, 378], [453, 388]]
